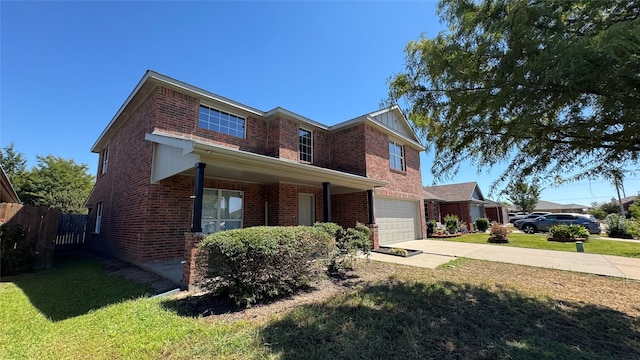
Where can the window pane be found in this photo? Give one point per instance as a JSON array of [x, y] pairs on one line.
[[212, 119]]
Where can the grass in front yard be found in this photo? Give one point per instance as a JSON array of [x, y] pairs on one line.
[[539, 241], [467, 309]]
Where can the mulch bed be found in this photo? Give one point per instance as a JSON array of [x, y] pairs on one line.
[[387, 250]]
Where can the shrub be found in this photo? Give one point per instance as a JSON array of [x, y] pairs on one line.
[[398, 251], [263, 262], [349, 242], [498, 233], [617, 226], [452, 222], [633, 228], [431, 227], [482, 224], [564, 231], [16, 255]]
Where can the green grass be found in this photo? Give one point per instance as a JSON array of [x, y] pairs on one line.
[[539, 241], [75, 311]]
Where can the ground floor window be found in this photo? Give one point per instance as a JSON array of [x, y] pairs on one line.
[[221, 210]]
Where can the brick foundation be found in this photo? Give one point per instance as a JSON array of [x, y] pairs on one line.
[[374, 235]]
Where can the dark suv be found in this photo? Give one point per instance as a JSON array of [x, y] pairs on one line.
[[543, 223]]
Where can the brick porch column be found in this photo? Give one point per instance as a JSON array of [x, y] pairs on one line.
[[374, 235], [189, 269]]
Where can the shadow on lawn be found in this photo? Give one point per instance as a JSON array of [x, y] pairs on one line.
[[74, 286], [452, 321]]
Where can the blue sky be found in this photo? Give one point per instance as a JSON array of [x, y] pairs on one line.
[[66, 67]]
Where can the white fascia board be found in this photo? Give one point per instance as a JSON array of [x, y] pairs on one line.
[[291, 114]]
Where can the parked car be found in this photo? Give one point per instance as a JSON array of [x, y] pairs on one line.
[[516, 216], [533, 215], [543, 223]]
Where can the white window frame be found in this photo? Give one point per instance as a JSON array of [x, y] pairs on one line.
[[219, 128], [218, 219], [302, 155], [395, 158], [98, 217], [105, 160]]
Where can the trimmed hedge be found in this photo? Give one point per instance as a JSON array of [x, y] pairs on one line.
[[349, 243], [482, 224], [255, 263]]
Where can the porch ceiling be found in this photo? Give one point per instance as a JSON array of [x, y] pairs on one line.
[[174, 155]]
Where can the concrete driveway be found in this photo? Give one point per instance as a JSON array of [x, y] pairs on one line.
[[436, 253]]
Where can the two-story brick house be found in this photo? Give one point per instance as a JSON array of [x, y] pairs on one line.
[[177, 159]]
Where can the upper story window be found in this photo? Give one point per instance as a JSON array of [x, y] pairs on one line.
[[105, 160], [221, 122], [306, 145], [396, 156]]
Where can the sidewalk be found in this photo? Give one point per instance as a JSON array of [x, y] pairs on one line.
[[436, 253]]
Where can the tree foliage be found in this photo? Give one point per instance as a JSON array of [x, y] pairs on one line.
[[549, 87], [57, 182], [524, 196], [14, 165], [54, 182], [634, 208]]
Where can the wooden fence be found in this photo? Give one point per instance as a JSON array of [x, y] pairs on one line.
[[40, 226], [72, 231]]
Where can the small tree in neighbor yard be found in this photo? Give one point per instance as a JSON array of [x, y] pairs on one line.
[[524, 196]]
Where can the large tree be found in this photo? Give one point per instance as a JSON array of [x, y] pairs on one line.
[[57, 182], [550, 87], [524, 196]]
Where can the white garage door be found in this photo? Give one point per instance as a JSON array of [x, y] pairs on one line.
[[397, 220]]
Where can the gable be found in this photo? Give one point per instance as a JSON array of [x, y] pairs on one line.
[[393, 120], [477, 195]]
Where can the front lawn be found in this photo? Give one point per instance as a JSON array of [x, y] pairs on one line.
[[539, 241], [465, 309]]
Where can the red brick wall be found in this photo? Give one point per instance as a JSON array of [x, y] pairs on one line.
[[283, 139], [348, 209], [348, 150], [462, 210], [124, 188], [178, 114], [283, 203]]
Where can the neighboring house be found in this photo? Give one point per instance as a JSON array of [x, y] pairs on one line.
[[496, 211], [7, 192], [626, 202], [464, 200], [556, 208], [177, 160]]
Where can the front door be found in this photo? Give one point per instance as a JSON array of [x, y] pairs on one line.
[[306, 209]]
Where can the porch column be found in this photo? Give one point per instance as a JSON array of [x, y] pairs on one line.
[[197, 203], [326, 201], [372, 219]]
